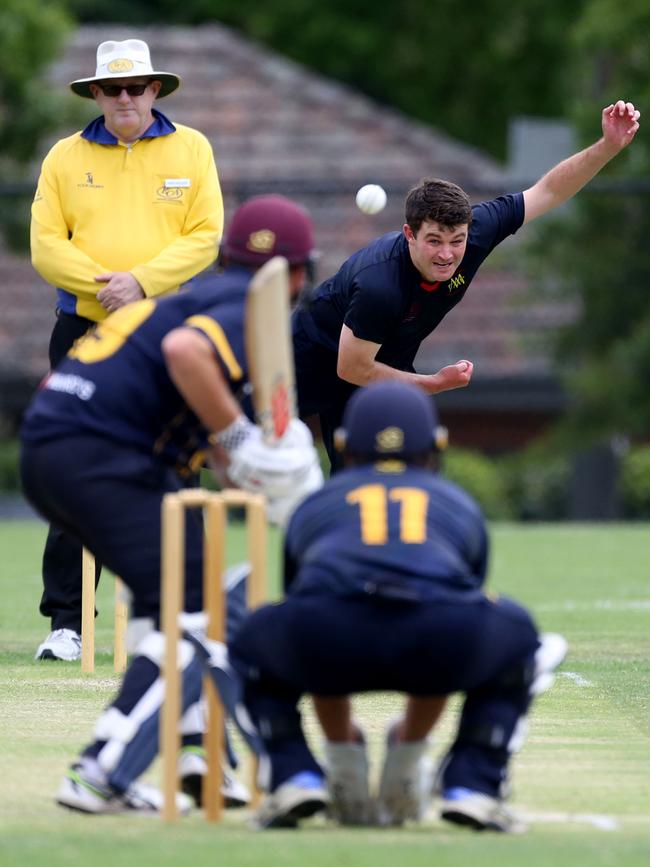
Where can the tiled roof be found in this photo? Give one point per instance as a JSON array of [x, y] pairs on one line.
[[276, 126], [26, 318]]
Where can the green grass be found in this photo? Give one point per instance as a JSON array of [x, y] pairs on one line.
[[586, 761]]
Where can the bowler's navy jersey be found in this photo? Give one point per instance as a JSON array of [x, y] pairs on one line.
[[381, 296], [387, 529], [114, 382]]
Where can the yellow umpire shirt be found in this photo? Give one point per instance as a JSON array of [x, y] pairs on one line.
[[153, 207]]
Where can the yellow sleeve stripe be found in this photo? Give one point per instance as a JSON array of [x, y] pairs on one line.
[[214, 332]]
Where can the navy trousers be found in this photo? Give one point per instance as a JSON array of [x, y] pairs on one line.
[[108, 497], [332, 646], [61, 599]]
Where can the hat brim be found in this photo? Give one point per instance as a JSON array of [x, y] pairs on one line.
[[168, 83]]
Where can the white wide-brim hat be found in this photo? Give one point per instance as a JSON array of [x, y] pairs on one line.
[[125, 60]]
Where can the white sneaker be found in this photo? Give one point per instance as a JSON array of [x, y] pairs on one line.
[[62, 644], [346, 768], [298, 798], [81, 791], [192, 768], [479, 811], [406, 782]]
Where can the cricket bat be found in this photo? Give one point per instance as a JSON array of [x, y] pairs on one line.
[[269, 349]]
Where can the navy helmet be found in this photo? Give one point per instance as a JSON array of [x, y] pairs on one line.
[[390, 419]]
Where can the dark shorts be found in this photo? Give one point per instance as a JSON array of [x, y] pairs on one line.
[[333, 646]]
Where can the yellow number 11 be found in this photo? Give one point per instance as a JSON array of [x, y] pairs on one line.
[[373, 506]]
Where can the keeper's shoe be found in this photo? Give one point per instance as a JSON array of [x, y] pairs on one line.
[[192, 768], [479, 811], [300, 797], [87, 794], [346, 766], [406, 781], [64, 644]]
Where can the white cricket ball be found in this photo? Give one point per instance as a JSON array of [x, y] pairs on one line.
[[371, 199]]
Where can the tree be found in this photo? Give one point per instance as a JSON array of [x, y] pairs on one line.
[[600, 251], [31, 34]]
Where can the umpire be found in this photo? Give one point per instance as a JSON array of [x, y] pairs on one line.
[[385, 568], [128, 208]]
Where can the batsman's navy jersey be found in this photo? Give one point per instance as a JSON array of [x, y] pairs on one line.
[[114, 383], [388, 530], [381, 296]]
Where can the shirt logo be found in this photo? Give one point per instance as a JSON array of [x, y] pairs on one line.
[[180, 183], [121, 64], [70, 383], [90, 182], [456, 283], [169, 194]]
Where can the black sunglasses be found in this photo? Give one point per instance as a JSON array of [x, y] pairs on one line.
[[116, 89]]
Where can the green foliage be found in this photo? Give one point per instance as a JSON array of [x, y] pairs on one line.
[[9, 474], [602, 258], [531, 485], [481, 477], [611, 386], [635, 483], [537, 484], [611, 42], [599, 250], [31, 37]]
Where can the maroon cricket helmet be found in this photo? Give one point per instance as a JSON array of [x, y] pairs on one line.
[[268, 226]]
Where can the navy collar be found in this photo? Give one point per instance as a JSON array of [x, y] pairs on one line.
[[96, 130]]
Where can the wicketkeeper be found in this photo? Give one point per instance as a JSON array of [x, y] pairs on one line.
[[136, 407], [385, 570]]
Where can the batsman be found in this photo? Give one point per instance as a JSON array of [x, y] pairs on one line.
[[133, 411]]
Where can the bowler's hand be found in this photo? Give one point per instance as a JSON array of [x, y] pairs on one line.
[[121, 288], [452, 376], [620, 123]]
